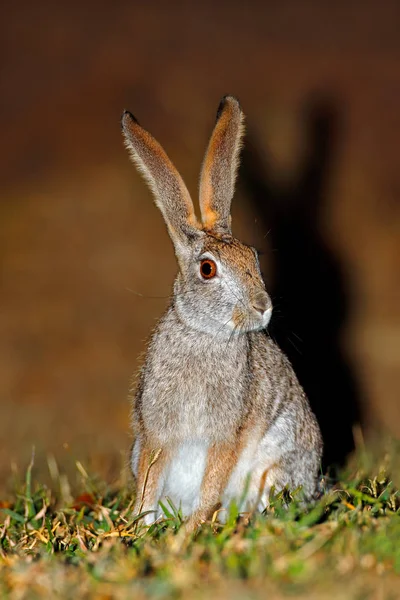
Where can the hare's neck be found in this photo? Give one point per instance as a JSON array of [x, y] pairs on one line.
[[203, 324], [197, 348]]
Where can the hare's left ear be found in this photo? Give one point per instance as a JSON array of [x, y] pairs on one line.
[[218, 175], [170, 193]]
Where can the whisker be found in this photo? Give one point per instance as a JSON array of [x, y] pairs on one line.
[[230, 337], [145, 296], [294, 345], [236, 296], [297, 336], [268, 232]]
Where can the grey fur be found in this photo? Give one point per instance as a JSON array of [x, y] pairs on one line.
[[213, 379]]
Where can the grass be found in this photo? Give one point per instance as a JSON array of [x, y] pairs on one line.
[[89, 544]]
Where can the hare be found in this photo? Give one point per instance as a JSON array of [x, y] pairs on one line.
[[218, 413]]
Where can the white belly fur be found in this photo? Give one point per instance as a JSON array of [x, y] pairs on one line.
[[185, 473], [184, 476]]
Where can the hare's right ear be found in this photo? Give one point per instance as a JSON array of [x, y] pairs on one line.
[[218, 175], [170, 193]]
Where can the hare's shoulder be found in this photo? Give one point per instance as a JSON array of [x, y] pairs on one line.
[[266, 354], [273, 376]]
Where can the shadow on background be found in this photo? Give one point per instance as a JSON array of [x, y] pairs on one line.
[[308, 289]]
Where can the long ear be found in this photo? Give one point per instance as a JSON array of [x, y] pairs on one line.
[[170, 193], [218, 175]]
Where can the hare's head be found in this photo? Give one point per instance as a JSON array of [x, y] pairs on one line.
[[219, 287]]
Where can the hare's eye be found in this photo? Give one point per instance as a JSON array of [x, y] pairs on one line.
[[208, 268]]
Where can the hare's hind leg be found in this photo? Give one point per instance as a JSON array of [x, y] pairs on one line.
[[148, 465], [294, 469]]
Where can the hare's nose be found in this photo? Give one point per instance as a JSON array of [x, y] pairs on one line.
[[261, 302]]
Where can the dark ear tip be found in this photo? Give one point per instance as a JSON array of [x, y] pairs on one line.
[[128, 117], [227, 98]]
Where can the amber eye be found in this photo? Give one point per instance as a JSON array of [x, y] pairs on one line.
[[208, 268]]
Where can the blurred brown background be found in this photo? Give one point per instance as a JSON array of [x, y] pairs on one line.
[[80, 237]]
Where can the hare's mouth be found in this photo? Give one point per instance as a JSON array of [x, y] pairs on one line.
[[266, 317], [260, 320]]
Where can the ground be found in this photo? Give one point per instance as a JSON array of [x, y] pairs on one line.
[[85, 543]]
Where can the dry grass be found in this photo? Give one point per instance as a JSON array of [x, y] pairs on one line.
[[89, 545]]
